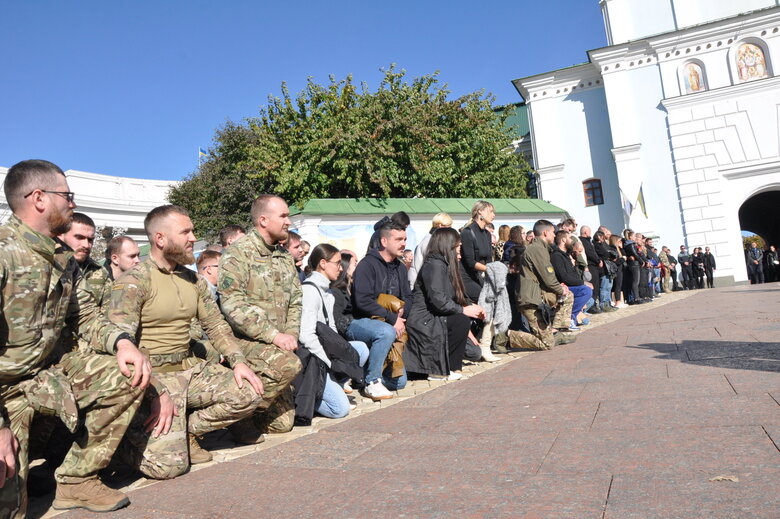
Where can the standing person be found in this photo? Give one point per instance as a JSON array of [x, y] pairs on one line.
[[607, 272], [755, 264], [153, 305], [634, 260], [439, 220], [709, 267], [655, 267], [595, 266], [318, 307], [500, 245], [440, 316], [529, 237], [294, 245], [381, 272], [515, 240], [665, 257], [616, 249], [230, 233], [476, 248], [698, 267], [686, 267], [94, 394], [400, 218], [540, 290], [260, 295], [772, 263]]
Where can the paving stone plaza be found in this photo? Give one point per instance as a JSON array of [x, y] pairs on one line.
[[657, 411]]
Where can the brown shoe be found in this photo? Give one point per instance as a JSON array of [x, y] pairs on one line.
[[197, 453], [91, 494], [246, 433]]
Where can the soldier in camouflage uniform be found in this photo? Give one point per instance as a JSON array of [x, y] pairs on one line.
[[261, 298], [153, 304], [37, 276], [538, 285]]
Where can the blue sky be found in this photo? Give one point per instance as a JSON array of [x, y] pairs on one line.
[[133, 88]]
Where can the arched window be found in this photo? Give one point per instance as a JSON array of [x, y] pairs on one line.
[[749, 61], [692, 77], [591, 188]]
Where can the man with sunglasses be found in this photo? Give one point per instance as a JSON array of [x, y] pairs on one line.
[[93, 398]]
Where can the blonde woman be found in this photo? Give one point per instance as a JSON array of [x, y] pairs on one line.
[[440, 221], [477, 248]]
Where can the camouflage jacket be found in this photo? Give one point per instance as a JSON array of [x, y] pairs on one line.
[[124, 308], [94, 284], [538, 283], [259, 289]]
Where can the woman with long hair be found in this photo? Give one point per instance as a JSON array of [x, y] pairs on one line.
[[477, 248], [440, 317], [634, 262], [325, 262], [616, 249]]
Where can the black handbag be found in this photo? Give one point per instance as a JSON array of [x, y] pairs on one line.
[[344, 360]]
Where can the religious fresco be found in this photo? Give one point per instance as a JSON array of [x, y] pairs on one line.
[[750, 62], [693, 77]]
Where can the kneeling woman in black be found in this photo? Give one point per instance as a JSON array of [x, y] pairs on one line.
[[439, 320]]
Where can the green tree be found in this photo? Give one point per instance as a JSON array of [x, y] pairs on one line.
[[747, 240], [406, 139]]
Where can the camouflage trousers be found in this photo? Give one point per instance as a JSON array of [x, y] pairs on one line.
[[541, 336], [277, 369], [206, 397], [92, 398]]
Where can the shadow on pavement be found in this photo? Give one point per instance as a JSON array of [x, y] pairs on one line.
[[758, 356]]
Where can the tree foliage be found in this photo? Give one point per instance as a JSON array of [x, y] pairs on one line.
[[406, 139]]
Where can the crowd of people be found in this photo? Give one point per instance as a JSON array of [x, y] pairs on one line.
[[133, 360], [763, 265]]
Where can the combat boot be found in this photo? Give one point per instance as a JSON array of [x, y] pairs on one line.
[[246, 432], [197, 453], [564, 338], [91, 494]]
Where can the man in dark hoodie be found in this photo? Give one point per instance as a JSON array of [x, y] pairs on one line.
[[380, 272]]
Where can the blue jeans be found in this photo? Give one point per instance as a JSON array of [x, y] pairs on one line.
[[380, 337], [605, 290], [582, 294], [335, 403]]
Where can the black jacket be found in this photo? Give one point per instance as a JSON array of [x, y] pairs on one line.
[[590, 254], [342, 310], [426, 350], [374, 276], [603, 252], [565, 271], [630, 249], [476, 247], [709, 261]]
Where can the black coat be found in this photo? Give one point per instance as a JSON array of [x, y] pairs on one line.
[[591, 254], [476, 247], [427, 349], [709, 261]]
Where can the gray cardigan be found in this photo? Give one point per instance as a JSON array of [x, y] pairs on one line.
[[312, 312]]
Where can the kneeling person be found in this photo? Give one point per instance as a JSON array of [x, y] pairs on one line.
[[153, 304]]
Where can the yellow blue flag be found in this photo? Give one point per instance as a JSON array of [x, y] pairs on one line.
[[640, 199]]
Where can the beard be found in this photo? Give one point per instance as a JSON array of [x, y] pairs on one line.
[[177, 254], [58, 224]]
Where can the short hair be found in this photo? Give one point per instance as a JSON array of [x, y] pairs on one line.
[[561, 237], [401, 218], [207, 255], [516, 233], [26, 176], [568, 221], [160, 212], [229, 231], [542, 225], [441, 220], [292, 237], [387, 228], [115, 244], [260, 205], [83, 219]]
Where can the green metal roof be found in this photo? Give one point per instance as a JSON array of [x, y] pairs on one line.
[[517, 119], [352, 206]]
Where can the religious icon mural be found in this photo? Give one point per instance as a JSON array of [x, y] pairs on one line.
[[693, 77], [750, 62]]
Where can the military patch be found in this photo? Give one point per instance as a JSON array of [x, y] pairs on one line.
[[550, 269], [262, 259], [226, 282]]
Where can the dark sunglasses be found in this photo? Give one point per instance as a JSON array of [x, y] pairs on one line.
[[70, 196]]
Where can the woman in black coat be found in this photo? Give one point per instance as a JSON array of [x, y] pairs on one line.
[[439, 320], [477, 249]]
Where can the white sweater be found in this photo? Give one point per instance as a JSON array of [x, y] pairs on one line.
[[312, 312]]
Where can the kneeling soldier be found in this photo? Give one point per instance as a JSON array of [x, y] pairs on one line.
[[37, 298], [153, 304]]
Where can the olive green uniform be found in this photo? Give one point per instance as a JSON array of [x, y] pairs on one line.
[[260, 295], [156, 306], [37, 297]]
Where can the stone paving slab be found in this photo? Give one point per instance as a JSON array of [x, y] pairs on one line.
[[622, 423]]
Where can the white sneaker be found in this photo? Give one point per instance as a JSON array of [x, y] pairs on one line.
[[437, 378], [440, 378], [377, 391], [455, 376]]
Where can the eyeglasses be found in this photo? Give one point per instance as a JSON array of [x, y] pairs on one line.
[[70, 196]]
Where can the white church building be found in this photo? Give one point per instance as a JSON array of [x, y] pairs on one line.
[[673, 129]]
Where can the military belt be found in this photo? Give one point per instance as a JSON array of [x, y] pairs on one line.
[[170, 362]]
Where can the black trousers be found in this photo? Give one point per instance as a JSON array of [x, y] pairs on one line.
[[457, 332], [644, 280], [687, 274], [595, 281], [756, 274], [631, 283], [617, 284], [708, 273]]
